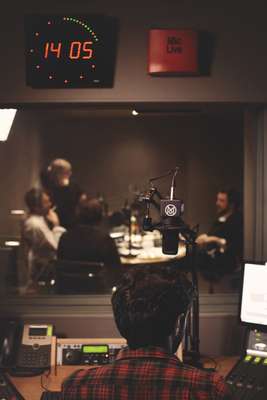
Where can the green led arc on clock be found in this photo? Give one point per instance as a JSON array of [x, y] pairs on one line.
[[83, 24]]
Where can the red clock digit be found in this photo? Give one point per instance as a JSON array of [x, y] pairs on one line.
[[87, 50], [75, 50], [50, 46]]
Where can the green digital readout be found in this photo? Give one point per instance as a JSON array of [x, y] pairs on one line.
[[89, 349]]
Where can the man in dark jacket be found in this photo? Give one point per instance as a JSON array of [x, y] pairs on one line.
[[89, 241], [65, 194], [221, 250]]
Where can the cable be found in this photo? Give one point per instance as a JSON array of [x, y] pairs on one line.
[[46, 375], [156, 178]]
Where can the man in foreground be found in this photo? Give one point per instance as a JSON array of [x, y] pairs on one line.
[[150, 308]]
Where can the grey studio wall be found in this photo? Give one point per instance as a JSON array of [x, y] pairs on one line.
[[110, 153], [238, 70]]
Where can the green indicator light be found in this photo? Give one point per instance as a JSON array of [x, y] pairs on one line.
[[257, 360], [49, 330], [248, 358], [83, 24], [265, 361], [95, 349]]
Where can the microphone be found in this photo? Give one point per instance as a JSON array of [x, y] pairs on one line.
[[171, 211]]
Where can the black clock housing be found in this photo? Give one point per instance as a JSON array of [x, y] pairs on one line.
[[70, 51]]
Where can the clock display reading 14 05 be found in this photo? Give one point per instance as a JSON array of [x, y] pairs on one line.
[[64, 51]]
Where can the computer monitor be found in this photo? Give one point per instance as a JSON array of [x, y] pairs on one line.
[[254, 295]]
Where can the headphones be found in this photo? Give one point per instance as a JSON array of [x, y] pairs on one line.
[[181, 321], [180, 328]]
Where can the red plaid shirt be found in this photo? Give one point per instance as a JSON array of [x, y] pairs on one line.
[[145, 374]]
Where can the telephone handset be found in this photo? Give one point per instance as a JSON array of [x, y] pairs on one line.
[[26, 349], [10, 335]]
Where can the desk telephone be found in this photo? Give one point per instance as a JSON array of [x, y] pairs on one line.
[[25, 350]]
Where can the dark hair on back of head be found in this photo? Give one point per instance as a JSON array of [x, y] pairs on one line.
[[89, 211], [147, 302], [33, 198]]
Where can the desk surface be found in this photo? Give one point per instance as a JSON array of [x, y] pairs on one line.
[[152, 255], [146, 249], [31, 388]]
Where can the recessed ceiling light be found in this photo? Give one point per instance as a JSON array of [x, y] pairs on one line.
[[134, 112], [6, 119]]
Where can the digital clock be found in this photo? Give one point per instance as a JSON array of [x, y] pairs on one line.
[[66, 51]]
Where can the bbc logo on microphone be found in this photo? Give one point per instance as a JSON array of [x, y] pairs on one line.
[[171, 208]]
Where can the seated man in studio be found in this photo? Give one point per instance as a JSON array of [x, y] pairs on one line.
[[39, 235], [89, 241], [221, 249], [150, 308]]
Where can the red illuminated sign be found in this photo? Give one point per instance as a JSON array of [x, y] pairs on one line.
[[173, 52]]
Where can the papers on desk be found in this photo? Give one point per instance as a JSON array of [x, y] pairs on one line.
[[143, 248], [123, 251], [116, 235]]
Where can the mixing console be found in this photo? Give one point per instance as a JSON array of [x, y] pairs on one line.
[[248, 378]]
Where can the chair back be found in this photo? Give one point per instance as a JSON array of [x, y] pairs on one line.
[[7, 268]]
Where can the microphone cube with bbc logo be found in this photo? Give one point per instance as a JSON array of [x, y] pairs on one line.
[[171, 208]]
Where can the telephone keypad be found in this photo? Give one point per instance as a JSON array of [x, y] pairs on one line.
[[34, 357]]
